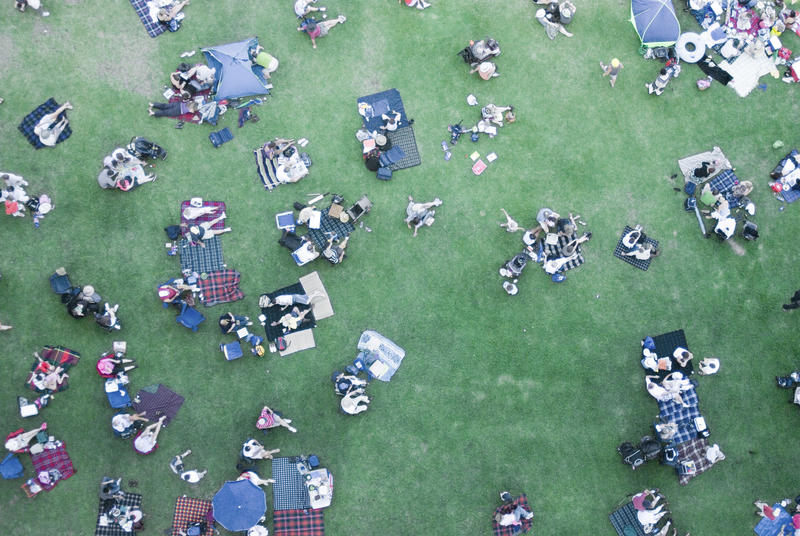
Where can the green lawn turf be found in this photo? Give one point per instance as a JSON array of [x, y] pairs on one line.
[[531, 393]]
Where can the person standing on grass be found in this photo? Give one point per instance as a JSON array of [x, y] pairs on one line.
[[794, 302], [612, 70]]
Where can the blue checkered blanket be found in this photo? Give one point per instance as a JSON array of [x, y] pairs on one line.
[[724, 183], [289, 491], [32, 119], [154, 27], [684, 418], [668, 409]]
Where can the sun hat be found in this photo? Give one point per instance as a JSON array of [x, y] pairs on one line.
[[486, 70], [88, 290], [45, 204], [615, 63]]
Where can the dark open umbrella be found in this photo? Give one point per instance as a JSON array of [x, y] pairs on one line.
[[239, 505]]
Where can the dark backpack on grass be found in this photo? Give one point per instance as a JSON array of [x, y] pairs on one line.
[[631, 455]]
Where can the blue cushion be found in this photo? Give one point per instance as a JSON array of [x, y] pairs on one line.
[[220, 137], [11, 467], [232, 350], [384, 173]]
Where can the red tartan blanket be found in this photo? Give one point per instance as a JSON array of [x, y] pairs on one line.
[[298, 523], [53, 459], [525, 525], [188, 511], [56, 356], [207, 217], [220, 287]]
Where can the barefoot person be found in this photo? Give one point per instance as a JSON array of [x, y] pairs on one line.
[[50, 126]]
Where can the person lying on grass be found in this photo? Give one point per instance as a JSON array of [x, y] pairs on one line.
[[253, 450], [172, 109], [419, 214], [316, 29]]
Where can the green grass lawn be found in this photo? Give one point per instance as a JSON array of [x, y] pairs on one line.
[[530, 394]]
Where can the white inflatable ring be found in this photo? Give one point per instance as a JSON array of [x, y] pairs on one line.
[[695, 42]]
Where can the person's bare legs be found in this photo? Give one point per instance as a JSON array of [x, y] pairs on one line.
[[510, 225], [564, 30], [52, 117], [21, 441]]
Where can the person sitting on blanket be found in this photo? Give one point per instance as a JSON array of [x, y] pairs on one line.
[[291, 320], [44, 382], [19, 442], [167, 14], [108, 318], [125, 423], [21, 5], [705, 169], [192, 476], [513, 518], [203, 230], [420, 214], [547, 220], [555, 17], [172, 109], [253, 450], [642, 252], [391, 121], [319, 29], [229, 322], [344, 383], [260, 57], [334, 252], [657, 391], [651, 516], [111, 490], [286, 300], [355, 401], [171, 292], [49, 127], [495, 114], [189, 80], [146, 441]]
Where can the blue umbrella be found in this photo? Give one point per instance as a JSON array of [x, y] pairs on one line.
[[239, 505]]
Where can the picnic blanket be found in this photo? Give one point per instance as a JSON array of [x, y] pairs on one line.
[[694, 450], [220, 208], [625, 522], [684, 419], [404, 138], [668, 409], [32, 119], [56, 458], [153, 26], [690, 163], [308, 522], [194, 117], [189, 510], [382, 349], [508, 508], [329, 226], [665, 347], [724, 183], [289, 490], [320, 303], [746, 70], [620, 249], [221, 286], [275, 313], [158, 400], [790, 196], [130, 500], [371, 107], [57, 356], [266, 169], [297, 341], [556, 250], [773, 527], [203, 260]]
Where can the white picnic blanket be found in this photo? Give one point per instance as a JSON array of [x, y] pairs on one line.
[[384, 351], [746, 70]]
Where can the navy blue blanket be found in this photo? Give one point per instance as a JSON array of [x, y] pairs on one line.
[[32, 119], [382, 103]]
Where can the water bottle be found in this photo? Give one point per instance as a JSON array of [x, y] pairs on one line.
[[36, 221]]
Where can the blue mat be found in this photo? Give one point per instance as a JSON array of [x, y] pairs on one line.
[[768, 527], [154, 28], [289, 490], [382, 103], [624, 521], [221, 136], [667, 409], [724, 183], [790, 196], [620, 249], [32, 119]]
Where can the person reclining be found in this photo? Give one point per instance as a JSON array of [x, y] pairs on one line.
[[420, 214], [291, 320], [253, 450], [203, 231], [49, 127], [192, 476]]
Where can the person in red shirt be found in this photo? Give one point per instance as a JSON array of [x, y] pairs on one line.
[[316, 29]]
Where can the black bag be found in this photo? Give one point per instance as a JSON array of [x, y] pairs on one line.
[[173, 232], [651, 448], [631, 455]]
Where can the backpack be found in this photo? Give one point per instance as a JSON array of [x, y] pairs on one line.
[[631, 455]]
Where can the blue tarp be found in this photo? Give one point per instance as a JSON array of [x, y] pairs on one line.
[[655, 22], [236, 75]]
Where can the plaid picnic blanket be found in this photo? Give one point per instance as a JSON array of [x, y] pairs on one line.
[[404, 138], [158, 400], [671, 408], [56, 356], [510, 530], [556, 250], [203, 260], [625, 522], [221, 286], [153, 26], [189, 510], [694, 450], [56, 458], [790, 196], [620, 249], [220, 208], [275, 313], [308, 522], [32, 119], [684, 418], [327, 227], [773, 527], [289, 491], [266, 169], [191, 117], [724, 183], [131, 500]]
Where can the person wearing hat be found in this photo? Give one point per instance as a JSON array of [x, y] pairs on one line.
[[554, 18], [486, 70], [316, 29], [612, 70], [89, 294]]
